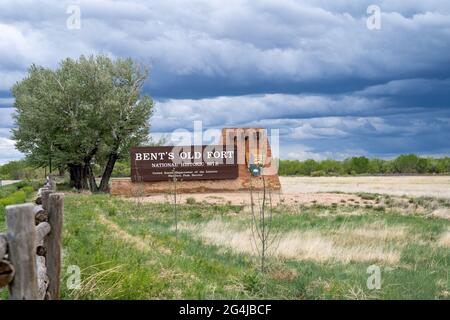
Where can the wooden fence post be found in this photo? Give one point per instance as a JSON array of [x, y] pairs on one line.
[[52, 185], [22, 251], [45, 192], [53, 243], [6, 273], [3, 245]]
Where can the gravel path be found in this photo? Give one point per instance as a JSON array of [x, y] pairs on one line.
[[6, 182]]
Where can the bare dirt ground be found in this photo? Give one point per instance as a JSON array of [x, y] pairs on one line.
[[327, 190], [416, 186], [243, 198]]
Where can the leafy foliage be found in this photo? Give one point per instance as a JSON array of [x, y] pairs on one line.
[[88, 111], [403, 164], [20, 170], [14, 194]]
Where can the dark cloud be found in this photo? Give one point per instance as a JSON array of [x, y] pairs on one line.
[[310, 68]]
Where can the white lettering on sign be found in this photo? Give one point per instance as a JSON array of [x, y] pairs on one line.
[[221, 154], [190, 155], [153, 156], [190, 162]]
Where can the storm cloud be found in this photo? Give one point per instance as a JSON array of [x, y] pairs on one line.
[[312, 69]]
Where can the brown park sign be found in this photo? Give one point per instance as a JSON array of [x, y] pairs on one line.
[[186, 162]]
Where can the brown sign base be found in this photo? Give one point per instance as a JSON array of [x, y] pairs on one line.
[[124, 186]]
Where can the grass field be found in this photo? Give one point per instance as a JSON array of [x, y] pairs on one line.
[[130, 250]]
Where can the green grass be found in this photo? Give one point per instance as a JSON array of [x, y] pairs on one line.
[[129, 250], [15, 193], [186, 267]]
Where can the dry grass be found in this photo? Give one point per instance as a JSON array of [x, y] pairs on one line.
[[444, 239], [242, 198], [283, 273], [375, 232], [93, 285], [317, 247], [432, 186], [442, 213], [345, 245]]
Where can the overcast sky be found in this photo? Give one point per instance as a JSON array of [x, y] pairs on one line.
[[312, 69]]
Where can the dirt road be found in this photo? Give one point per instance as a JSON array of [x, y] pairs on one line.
[[6, 182]]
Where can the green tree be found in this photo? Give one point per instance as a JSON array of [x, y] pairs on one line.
[[376, 166], [87, 111], [356, 165], [422, 165], [330, 167], [406, 163], [286, 167], [308, 166], [443, 165]]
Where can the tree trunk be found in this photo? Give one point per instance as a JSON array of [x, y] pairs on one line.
[[61, 170], [104, 184], [92, 184], [78, 176]]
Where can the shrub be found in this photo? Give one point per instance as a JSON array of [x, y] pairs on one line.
[[13, 198], [15, 193], [358, 165], [6, 190], [330, 167], [20, 169], [112, 211], [318, 173], [406, 163], [121, 169], [367, 196], [21, 184], [253, 282], [190, 200], [409, 163], [28, 189]]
